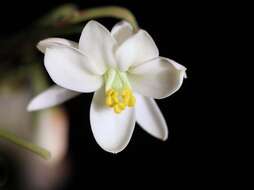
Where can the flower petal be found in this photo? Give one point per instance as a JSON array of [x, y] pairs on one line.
[[70, 69], [158, 78], [137, 49], [111, 131], [150, 118], [97, 42], [49, 42], [122, 31], [55, 95]]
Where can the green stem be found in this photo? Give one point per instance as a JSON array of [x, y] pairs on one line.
[[111, 11], [24, 144], [68, 14]]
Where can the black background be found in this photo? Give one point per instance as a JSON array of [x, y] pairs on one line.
[[192, 33]]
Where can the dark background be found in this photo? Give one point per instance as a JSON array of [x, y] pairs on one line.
[[192, 33]]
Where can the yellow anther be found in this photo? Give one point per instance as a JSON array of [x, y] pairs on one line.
[[126, 92], [115, 97], [109, 92], [126, 96], [122, 105], [117, 108], [114, 93], [126, 100], [109, 101], [132, 101], [120, 102]]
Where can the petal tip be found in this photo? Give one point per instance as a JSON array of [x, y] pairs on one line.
[[185, 75], [165, 138], [30, 107], [39, 46], [44, 44], [162, 137], [114, 151], [93, 22], [177, 65], [33, 105]]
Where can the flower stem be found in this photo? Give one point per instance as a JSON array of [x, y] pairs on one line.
[[68, 14], [111, 11], [24, 144]]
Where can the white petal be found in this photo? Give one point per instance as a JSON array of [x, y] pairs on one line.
[[137, 49], [55, 95], [157, 78], [62, 43], [150, 118], [122, 31], [49, 42], [69, 69], [111, 131], [97, 42]]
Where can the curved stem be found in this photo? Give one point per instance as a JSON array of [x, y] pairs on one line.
[[68, 14], [24, 144], [111, 11]]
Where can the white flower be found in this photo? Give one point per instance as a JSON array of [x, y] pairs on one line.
[[124, 70]]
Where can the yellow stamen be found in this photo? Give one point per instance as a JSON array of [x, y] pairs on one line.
[[115, 97], [109, 101], [132, 101], [110, 92], [126, 92], [120, 102], [117, 108], [122, 105], [126, 100]]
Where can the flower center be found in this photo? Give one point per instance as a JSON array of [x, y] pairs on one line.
[[118, 91]]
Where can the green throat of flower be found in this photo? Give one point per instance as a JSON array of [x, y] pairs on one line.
[[118, 91]]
